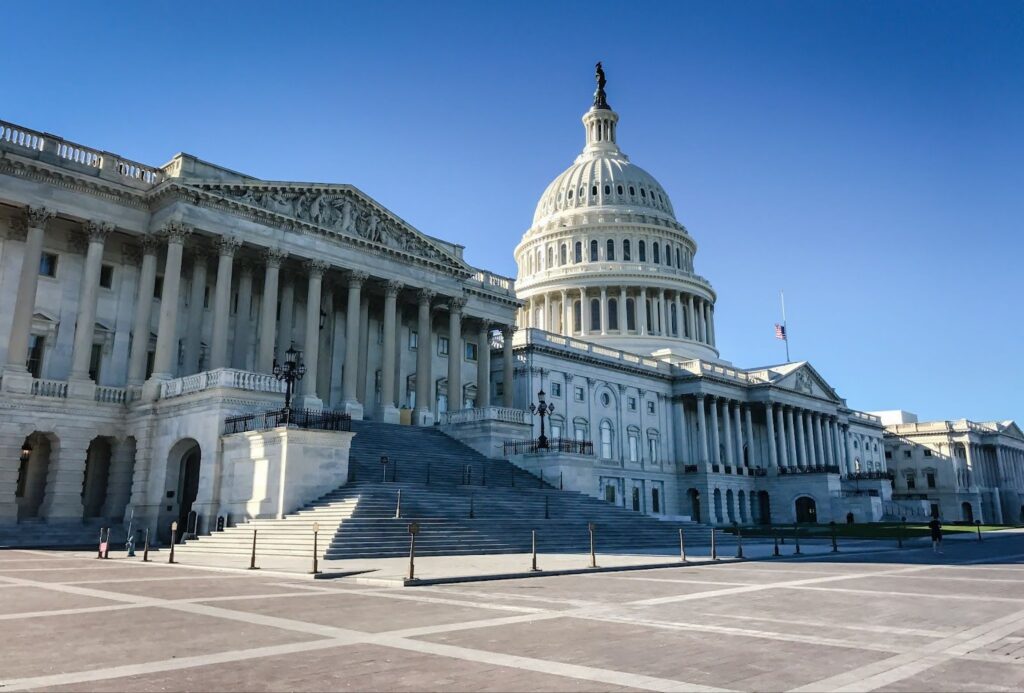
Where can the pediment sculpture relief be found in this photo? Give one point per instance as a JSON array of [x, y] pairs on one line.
[[340, 212], [803, 382]]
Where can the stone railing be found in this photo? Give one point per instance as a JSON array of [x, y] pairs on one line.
[[49, 388], [699, 367], [111, 395], [222, 377], [495, 282], [603, 267], [60, 151], [502, 414], [865, 417], [535, 336]]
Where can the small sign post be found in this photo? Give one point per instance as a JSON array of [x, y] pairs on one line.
[[593, 556], [414, 529], [174, 540], [316, 553], [145, 548], [252, 557], [533, 550], [682, 546]]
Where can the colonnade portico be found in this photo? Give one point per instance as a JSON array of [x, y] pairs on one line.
[[247, 327]]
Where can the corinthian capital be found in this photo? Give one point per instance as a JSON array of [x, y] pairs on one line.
[[176, 232], [393, 287], [36, 217], [273, 257], [356, 279], [456, 304], [227, 245], [425, 296], [150, 243], [316, 268], [97, 231]]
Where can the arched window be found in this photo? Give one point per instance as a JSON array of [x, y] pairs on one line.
[[570, 194], [540, 258], [593, 251], [551, 257], [562, 254], [607, 190], [606, 440], [593, 190], [595, 314], [529, 263], [673, 320], [613, 314], [641, 249], [632, 191], [610, 250], [668, 255], [643, 193], [625, 250], [576, 320], [679, 259], [630, 314], [578, 252], [656, 249], [619, 188]]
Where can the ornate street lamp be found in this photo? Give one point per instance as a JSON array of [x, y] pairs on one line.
[[291, 371], [543, 409]]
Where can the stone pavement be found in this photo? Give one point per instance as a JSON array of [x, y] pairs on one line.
[[856, 621]]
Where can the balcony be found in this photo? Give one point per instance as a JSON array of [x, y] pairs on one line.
[[818, 469], [555, 446], [306, 419]]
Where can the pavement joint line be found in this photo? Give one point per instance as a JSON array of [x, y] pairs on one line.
[[506, 595], [680, 581], [108, 581], [71, 612], [890, 630], [887, 671], [918, 595]]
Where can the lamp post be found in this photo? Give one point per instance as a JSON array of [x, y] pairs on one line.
[[543, 409], [291, 371]]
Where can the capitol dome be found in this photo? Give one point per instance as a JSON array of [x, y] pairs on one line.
[[606, 260]]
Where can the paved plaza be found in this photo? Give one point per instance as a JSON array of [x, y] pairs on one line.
[[873, 620]]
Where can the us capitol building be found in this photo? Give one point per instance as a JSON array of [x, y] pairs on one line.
[[142, 306]]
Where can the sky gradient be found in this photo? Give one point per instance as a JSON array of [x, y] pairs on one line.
[[866, 157]]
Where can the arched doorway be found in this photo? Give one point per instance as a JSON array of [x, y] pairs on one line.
[[97, 474], [741, 499], [806, 509], [636, 499], [718, 506], [729, 507], [33, 467], [967, 512], [766, 507], [182, 484], [694, 495]]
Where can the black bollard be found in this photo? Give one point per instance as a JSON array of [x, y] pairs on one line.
[[252, 557], [835, 545], [533, 550], [796, 539], [977, 524], [775, 552], [714, 548], [316, 530], [174, 540], [593, 555], [99, 547], [398, 505], [414, 529], [739, 543], [145, 548], [560, 481], [682, 546]]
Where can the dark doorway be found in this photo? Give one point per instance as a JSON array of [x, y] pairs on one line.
[[968, 511], [806, 509], [636, 499], [655, 501], [766, 507], [188, 487], [694, 503]]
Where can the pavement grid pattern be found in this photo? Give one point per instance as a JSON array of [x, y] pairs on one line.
[[887, 620]]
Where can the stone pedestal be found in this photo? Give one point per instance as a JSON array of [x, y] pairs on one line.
[[390, 414], [82, 389], [16, 380], [354, 409]]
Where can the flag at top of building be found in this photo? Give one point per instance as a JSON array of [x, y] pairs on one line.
[[780, 331]]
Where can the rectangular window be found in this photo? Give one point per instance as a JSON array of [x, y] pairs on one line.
[[906, 454], [48, 265], [556, 389], [414, 339], [158, 288], [556, 431], [442, 346], [34, 362], [95, 358], [888, 454], [927, 453], [499, 388], [650, 407], [911, 483], [654, 448], [471, 351], [107, 276], [931, 479], [578, 393], [631, 403], [380, 333], [634, 448]]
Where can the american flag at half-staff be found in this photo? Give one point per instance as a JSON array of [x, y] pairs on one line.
[[780, 331]]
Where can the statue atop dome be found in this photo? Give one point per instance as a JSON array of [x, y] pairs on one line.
[[600, 100]]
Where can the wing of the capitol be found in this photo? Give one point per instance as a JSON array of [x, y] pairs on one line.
[[153, 320]]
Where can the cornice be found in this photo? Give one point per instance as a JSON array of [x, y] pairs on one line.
[[15, 165]]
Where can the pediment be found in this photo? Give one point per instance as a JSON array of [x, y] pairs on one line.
[[1010, 428], [339, 210], [805, 380]]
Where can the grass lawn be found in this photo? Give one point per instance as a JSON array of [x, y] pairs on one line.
[[873, 530]]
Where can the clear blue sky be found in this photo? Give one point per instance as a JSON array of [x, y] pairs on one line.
[[866, 156]]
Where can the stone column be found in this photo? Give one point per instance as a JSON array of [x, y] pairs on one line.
[[508, 367], [311, 357], [167, 332], [680, 330], [119, 478], [25, 306], [690, 323], [792, 450], [243, 320], [739, 433], [85, 327], [679, 424], [621, 309], [350, 373], [716, 448], [566, 314], [65, 477], [286, 324], [702, 425], [584, 313], [851, 457], [815, 438], [268, 310], [641, 313], [388, 411], [750, 437], [547, 312], [226, 247], [663, 313], [711, 324], [803, 429], [326, 335], [830, 439], [196, 310], [483, 365], [424, 390], [729, 441], [773, 451], [143, 308], [604, 310], [455, 350]]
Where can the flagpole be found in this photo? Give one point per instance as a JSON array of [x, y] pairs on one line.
[[785, 329]]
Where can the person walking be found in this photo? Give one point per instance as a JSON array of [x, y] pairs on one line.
[[936, 528]]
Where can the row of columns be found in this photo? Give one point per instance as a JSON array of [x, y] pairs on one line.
[[694, 314]]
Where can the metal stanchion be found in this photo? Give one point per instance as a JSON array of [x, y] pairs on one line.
[[145, 548], [316, 530], [252, 557], [835, 544], [533, 550], [682, 546], [593, 556], [739, 542], [977, 524], [384, 466], [472, 506], [174, 540], [899, 532], [775, 551], [106, 545], [714, 549], [414, 529], [560, 481], [547, 510], [99, 546], [796, 539], [398, 505]]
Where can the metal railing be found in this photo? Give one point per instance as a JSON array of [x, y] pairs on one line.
[[555, 445], [817, 469], [299, 418], [864, 476]]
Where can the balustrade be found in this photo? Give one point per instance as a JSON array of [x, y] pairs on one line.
[[49, 388], [221, 377], [503, 414], [111, 395]]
